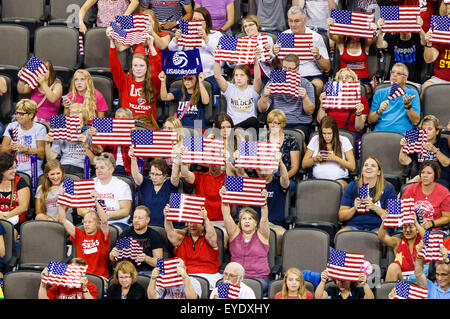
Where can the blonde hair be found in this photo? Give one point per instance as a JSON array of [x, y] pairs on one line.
[[84, 112], [251, 18], [89, 102], [301, 293], [436, 122], [253, 214], [277, 113], [352, 74], [126, 267], [28, 106], [106, 158]]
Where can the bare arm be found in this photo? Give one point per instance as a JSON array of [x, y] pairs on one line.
[[421, 279], [230, 226], [131, 7], [175, 236], [68, 226], [135, 173], [230, 17], [223, 84], [81, 14]]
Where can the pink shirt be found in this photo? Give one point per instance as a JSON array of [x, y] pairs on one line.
[[108, 10], [47, 109], [99, 100], [217, 10]]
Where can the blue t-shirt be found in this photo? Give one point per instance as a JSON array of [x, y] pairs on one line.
[[194, 112], [436, 292], [395, 117], [276, 201], [156, 201], [371, 220]]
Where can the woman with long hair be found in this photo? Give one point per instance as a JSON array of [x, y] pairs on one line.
[[138, 90], [359, 213], [47, 94], [294, 286], [82, 91], [329, 154]]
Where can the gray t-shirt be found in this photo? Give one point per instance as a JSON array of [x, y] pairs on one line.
[[178, 292], [241, 105], [51, 202], [272, 14], [292, 106], [72, 153]]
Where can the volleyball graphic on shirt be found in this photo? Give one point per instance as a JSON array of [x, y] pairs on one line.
[[425, 208]]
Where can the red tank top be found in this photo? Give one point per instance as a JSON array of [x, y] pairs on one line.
[[403, 255], [358, 63]]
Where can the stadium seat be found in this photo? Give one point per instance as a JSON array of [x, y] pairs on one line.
[[306, 249], [143, 280], [317, 204], [6, 102], [221, 244], [17, 38], [383, 291], [167, 246], [22, 284], [254, 284], [273, 258], [363, 242], [389, 143], [41, 242], [65, 12], [100, 283], [276, 286], [435, 102], [106, 86], [204, 284], [10, 258], [301, 144]]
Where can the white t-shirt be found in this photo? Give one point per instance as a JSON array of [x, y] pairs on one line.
[[27, 138], [178, 292], [329, 170], [317, 13], [241, 105], [245, 293], [112, 193], [51, 202]]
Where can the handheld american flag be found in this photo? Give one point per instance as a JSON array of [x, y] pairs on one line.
[[344, 265], [440, 26], [185, 208], [148, 143], [228, 291], [238, 50], [431, 250], [244, 191], [284, 82], [363, 194], [32, 71], [262, 40], [113, 131], [415, 138], [400, 19], [257, 155], [168, 276], [60, 274], [128, 248], [404, 290], [67, 128], [400, 212], [131, 29], [294, 43], [396, 91], [189, 33], [351, 23], [77, 194], [342, 95], [206, 151]]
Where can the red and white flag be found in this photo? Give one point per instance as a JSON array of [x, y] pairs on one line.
[[129, 248], [342, 96], [440, 27], [185, 208], [148, 143], [295, 43], [60, 274], [66, 128], [431, 250], [77, 194], [228, 291], [200, 150], [400, 212], [113, 131], [168, 276], [131, 29], [32, 71], [189, 33], [238, 50], [351, 23], [344, 265], [400, 19], [244, 191], [284, 82], [257, 155], [404, 290]]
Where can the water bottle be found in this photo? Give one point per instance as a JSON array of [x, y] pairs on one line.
[[115, 104]]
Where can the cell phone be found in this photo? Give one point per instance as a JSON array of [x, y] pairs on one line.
[[66, 99], [323, 152]]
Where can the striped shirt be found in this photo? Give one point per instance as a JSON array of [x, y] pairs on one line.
[[168, 10]]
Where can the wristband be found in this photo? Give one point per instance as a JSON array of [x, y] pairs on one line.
[[358, 114], [409, 107], [429, 46], [377, 113], [432, 223], [320, 57]]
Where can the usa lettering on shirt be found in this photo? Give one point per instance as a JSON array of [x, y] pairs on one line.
[[192, 109], [90, 246], [27, 141]]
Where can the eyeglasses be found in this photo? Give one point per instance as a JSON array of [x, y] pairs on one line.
[[75, 112], [275, 123], [397, 73], [441, 274], [249, 25], [156, 174], [21, 113], [226, 274]]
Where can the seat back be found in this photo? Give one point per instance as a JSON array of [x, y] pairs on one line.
[[143, 280], [66, 11], [8, 238], [383, 291], [204, 284], [306, 249], [106, 87], [23, 9], [220, 243], [167, 246], [276, 286], [255, 285], [17, 38], [22, 284], [96, 49], [41, 242], [6, 105], [50, 37], [435, 101], [364, 242], [272, 254], [100, 283]]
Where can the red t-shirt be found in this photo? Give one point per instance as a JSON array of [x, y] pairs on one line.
[[434, 204], [341, 116], [309, 295], [358, 63], [94, 249], [208, 186], [203, 259], [442, 63], [130, 90], [61, 292], [403, 256]]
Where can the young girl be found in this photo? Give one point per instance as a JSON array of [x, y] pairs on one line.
[[47, 95], [72, 154], [192, 99], [47, 193], [140, 88], [293, 286], [242, 93], [329, 154], [82, 91]]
